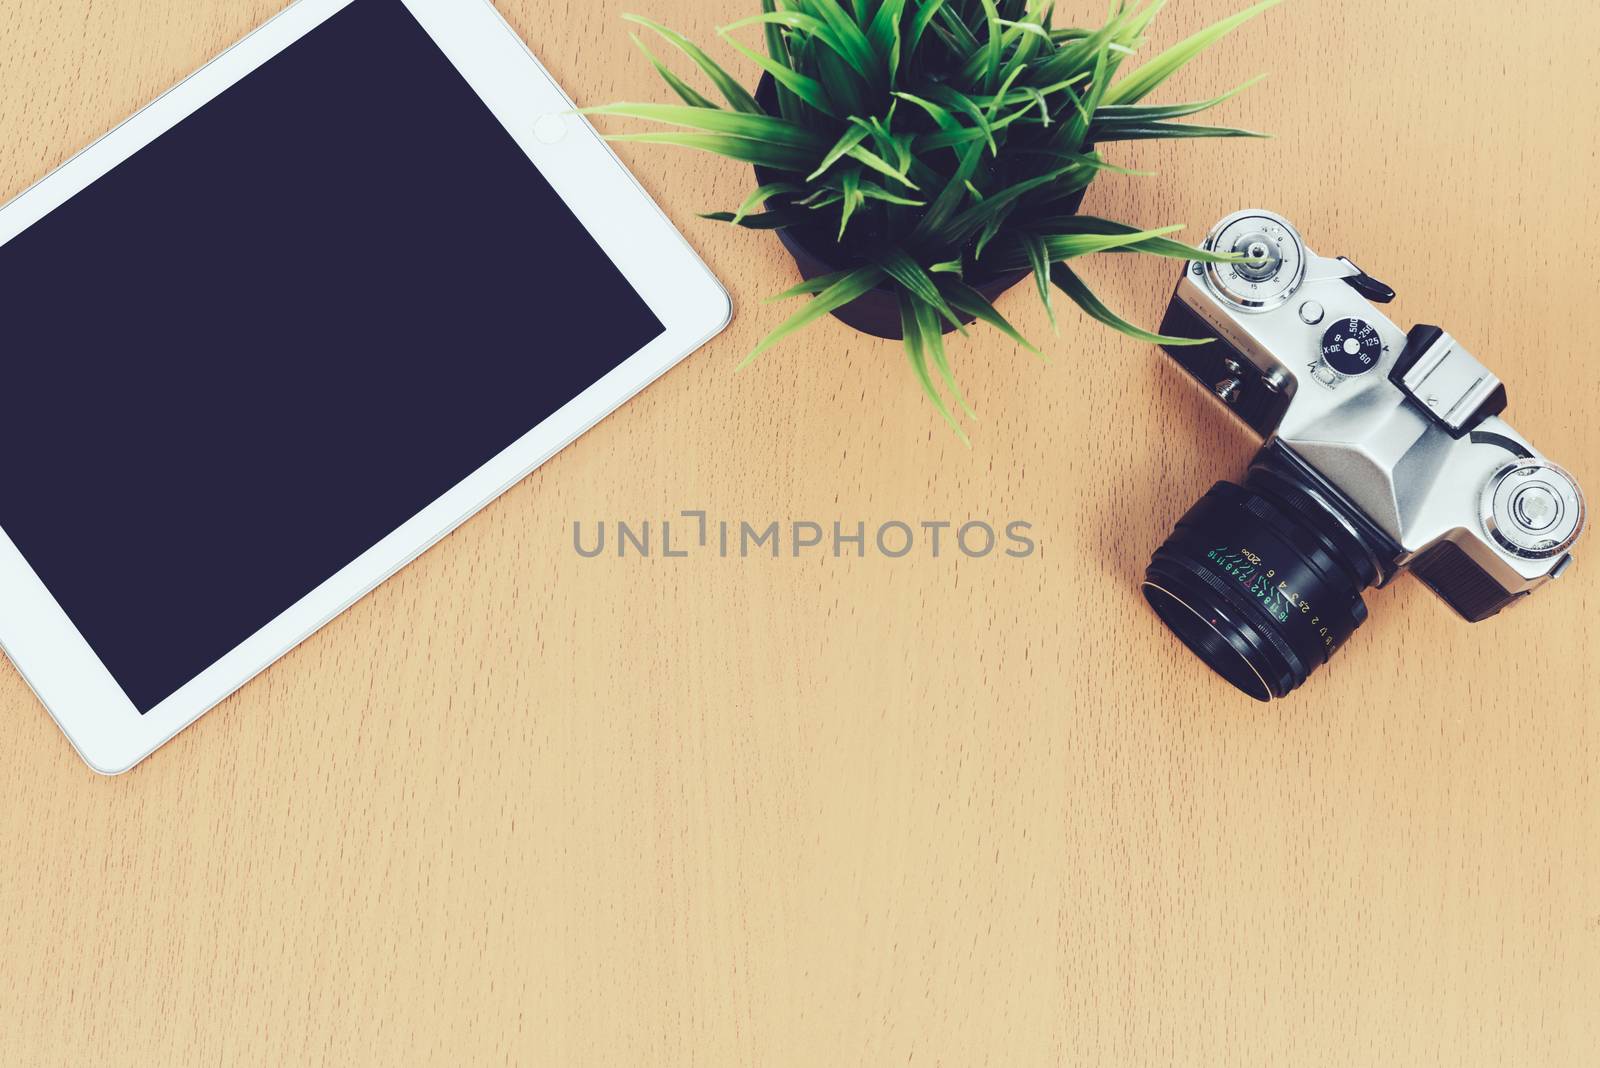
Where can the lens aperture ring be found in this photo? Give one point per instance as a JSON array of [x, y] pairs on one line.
[[1285, 568]]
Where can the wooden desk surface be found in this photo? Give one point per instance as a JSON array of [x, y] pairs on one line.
[[523, 807]]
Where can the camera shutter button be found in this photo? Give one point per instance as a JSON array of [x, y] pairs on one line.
[[1311, 313]]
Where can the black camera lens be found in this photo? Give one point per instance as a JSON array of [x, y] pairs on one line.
[[1263, 580]]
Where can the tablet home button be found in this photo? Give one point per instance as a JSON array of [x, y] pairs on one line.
[[549, 129]]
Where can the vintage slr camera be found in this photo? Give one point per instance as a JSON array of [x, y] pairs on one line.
[[1384, 452]]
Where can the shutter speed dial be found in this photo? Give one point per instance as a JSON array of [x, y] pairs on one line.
[[1351, 346]]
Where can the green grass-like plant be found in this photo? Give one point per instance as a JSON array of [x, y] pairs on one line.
[[939, 142]]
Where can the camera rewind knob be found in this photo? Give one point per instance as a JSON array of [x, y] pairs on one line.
[[1533, 509]]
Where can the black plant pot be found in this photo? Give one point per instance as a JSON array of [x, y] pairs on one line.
[[816, 252]]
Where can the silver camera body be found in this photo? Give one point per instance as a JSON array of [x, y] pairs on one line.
[[1399, 431]]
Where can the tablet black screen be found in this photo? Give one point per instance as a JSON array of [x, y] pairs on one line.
[[256, 347]]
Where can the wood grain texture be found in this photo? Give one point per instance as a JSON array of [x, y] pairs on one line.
[[523, 807]]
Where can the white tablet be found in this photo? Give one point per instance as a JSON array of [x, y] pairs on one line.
[[282, 330]]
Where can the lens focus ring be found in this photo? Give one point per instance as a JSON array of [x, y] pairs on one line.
[[1261, 582]]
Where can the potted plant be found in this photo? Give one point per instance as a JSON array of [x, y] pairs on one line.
[[919, 157]]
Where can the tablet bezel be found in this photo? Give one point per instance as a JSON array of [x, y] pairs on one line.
[[97, 717]]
